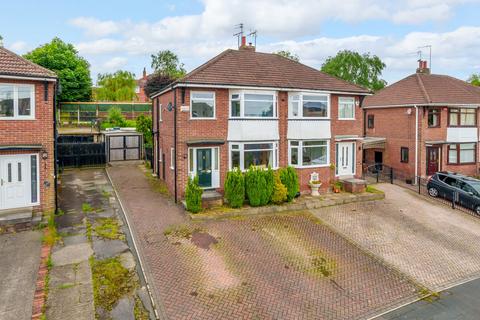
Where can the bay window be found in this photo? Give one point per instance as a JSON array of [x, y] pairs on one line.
[[202, 105], [462, 153], [309, 153], [309, 105], [346, 108], [462, 117], [252, 104], [17, 101], [258, 154]]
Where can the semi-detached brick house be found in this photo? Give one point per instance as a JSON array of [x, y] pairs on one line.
[[245, 108], [428, 122], [27, 179]]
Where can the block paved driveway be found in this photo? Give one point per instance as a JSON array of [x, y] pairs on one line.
[[276, 267], [431, 243]]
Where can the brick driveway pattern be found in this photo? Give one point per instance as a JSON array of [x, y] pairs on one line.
[[273, 267], [430, 242]]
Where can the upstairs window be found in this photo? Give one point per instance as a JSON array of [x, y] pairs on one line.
[[309, 105], [346, 108], [433, 118], [17, 101], [462, 117], [245, 104], [202, 105], [371, 121]]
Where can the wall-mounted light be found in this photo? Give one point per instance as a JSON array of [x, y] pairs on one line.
[[44, 155], [169, 107]]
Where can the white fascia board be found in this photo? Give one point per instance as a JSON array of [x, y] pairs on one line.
[[28, 78]]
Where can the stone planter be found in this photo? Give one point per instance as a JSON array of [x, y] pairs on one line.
[[314, 187]]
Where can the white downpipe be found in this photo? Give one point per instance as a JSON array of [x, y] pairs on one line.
[[416, 143]]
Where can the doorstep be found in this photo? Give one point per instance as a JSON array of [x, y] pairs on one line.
[[299, 204], [19, 218]]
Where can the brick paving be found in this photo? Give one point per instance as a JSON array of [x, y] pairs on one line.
[[429, 242], [277, 267]]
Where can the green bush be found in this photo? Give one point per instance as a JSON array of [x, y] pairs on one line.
[[116, 118], [279, 191], [193, 195], [270, 185], [289, 178], [235, 188], [144, 125], [259, 184]]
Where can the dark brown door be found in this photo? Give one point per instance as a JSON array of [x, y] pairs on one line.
[[433, 161]]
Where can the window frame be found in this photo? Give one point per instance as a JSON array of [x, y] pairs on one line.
[[402, 150], [353, 107], [241, 150], [16, 116], [300, 95], [214, 117], [242, 94], [459, 116], [438, 112], [458, 150], [370, 118], [172, 158], [300, 153]]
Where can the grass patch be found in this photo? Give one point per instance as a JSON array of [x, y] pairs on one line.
[[108, 228], [86, 207], [372, 189], [67, 285], [180, 231], [50, 237], [157, 185], [139, 311], [111, 281]]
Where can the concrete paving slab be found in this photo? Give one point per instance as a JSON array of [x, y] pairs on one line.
[[108, 249], [71, 254], [124, 309]]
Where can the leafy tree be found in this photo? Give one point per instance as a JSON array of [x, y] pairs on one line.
[[156, 82], [144, 125], [72, 70], [475, 79], [361, 69], [166, 62], [119, 86], [287, 54]]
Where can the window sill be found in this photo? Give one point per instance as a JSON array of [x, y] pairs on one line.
[[16, 119], [311, 167], [346, 119], [252, 118], [202, 118], [460, 164], [310, 119]]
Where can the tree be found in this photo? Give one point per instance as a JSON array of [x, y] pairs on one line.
[[72, 70], [144, 125], [287, 54], [119, 86], [475, 79], [361, 69], [166, 62], [156, 82]]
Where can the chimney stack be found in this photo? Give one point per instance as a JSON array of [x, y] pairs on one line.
[[422, 67], [144, 73], [245, 46]]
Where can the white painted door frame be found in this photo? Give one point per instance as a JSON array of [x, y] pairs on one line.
[[345, 158]]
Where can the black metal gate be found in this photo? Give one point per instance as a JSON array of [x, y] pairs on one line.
[[80, 154], [124, 147]]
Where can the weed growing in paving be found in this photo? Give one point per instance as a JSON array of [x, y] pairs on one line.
[[89, 231], [372, 189], [139, 311], [67, 285], [111, 281], [180, 231], [106, 194], [108, 228], [157, 185], [86, 207], [51, 236]]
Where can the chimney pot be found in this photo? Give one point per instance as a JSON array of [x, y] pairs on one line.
[[422, 67], [244, 41]]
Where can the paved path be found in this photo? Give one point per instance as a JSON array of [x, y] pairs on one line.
[[430, 242], [277, 267], [19, 263]]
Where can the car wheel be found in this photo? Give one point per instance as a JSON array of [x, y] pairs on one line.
[[477, 210], [433, 192]]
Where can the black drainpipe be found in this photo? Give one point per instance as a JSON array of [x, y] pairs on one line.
[[364, 116], [175, 140], [55, 137]]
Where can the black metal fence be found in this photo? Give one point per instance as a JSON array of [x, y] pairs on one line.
[[75, 154], [376, 173]]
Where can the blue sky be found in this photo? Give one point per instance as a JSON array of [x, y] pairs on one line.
[[116, 35]]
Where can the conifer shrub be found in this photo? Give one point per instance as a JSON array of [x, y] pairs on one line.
[[289, 179], [279, 190], [259, 185], [235, 188], [193, 195]]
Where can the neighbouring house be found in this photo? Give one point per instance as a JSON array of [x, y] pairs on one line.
[[245, 108], [27, 155], [140, 88], [422, 124]]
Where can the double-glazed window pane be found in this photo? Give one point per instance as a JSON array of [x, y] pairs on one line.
[[16, 101], [315, 106], [203, 105], [462, 117], [467, 153], [235, 107], [433, 118], [258, 105], [24, 101], [314, 153], [346, 108], [6, 101], [452, 153]]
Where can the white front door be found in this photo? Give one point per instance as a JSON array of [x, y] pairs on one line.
[[15, 181], [345, 155]]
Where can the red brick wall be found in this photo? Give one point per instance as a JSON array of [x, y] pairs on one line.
[[39, 132]]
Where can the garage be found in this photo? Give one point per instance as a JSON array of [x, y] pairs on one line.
[[123, 145]]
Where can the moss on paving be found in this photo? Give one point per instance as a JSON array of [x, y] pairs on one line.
[[181, 231], [108, 228], [157, 185], [86, 207], [139, 311], [372, 189]]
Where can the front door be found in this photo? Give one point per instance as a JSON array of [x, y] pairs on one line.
[[204, 167], [433, 161], [14, 182], [345, 155]]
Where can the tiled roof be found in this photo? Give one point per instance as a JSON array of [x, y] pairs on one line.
[[12, 64], [424, 89], [246, 67]]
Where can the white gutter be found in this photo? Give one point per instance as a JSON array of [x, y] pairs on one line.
[[416, 143], [221, 86], [466, 105], [27, 78]]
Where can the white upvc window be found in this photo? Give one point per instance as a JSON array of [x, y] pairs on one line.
[[202, 105], [346, 108], [253, 104], [258, 154], [172, 158], [17, 101], [308, 105], [309, 153]]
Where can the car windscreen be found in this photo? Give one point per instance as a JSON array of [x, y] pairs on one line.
[[475, 185]]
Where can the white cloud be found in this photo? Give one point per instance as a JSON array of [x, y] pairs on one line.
[[95, 27], [19, 47], [114, 64]]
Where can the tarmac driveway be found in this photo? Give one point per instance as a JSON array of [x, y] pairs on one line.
[[431, 243]]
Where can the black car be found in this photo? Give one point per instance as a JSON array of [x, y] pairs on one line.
[[446, 184]]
